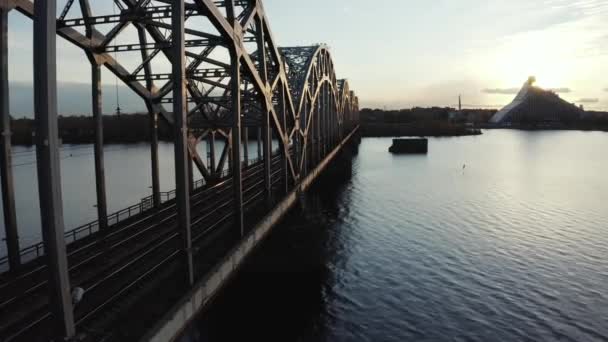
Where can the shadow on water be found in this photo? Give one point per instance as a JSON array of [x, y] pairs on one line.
[[278, 295]]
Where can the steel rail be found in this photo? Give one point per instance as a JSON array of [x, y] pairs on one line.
[[227, 216]]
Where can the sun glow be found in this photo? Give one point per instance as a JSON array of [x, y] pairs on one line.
[[535, 54]]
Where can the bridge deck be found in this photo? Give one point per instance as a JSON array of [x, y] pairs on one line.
[[114, 268]]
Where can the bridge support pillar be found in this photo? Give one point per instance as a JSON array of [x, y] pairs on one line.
[[246, 145], [154, 159], [319, 124], [100, 183], [284, 143], [237, 176], [266, 127], [49, 176], [235, 87], [259, 141], [153, 113], [190, 173], [180, 116], [6, 168], [323, 135], [211, 151], [305, 152]]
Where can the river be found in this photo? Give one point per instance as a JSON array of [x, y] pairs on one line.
[[415, 248], [499, 237]]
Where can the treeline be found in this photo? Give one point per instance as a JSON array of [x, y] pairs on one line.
[[594, 120], [418, 114], [434, 121], [126, 128]]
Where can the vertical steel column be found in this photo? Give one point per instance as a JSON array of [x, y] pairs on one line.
[[211, 151], [180, 115], [259, 140], [154, 159], [297, 146], [307, 134], [330, 120], [141, 32], [237, 176], [324, 121], [328, 141], [319, 125], [97, 104], [327, 119], [313, 135], [229, 142], [100, 180], [190, 174], [49, 175], [6, 164], [246, 145], [334, 121], [266, 133], [321, 122], [285, 143], [315, 123], [235, 86]]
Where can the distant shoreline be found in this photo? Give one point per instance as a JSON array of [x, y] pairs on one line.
[[80, 130], [422, 122], [417, 129], [549, 127]]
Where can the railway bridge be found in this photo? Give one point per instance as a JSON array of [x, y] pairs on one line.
[[212, 71]]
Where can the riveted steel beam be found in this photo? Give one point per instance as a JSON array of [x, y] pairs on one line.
[[6, 167], [49, 175], [180, 115]]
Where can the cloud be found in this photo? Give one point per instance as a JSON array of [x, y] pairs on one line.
[[501, 91], [560, 90], [513, 91], [589, 100]]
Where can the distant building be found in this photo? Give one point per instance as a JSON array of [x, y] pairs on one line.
[[534, 105]]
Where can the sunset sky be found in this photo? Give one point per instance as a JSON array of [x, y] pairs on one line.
[[401, 53]]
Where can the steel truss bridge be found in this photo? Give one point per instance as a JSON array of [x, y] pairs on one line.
[[213, 72]]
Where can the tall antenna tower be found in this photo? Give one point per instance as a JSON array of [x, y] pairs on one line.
[[460, 103]]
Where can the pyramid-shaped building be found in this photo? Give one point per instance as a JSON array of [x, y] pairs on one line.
[[534, 105]]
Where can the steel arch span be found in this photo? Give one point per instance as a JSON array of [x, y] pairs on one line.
[[218, 36], [209, 69]]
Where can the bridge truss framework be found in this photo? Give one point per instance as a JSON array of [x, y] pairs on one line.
[[227, 76]]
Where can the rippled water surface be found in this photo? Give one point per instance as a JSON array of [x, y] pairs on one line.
[[512, 247]]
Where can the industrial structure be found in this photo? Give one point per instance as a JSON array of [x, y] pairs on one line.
[[211, 70], [534, 105]]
